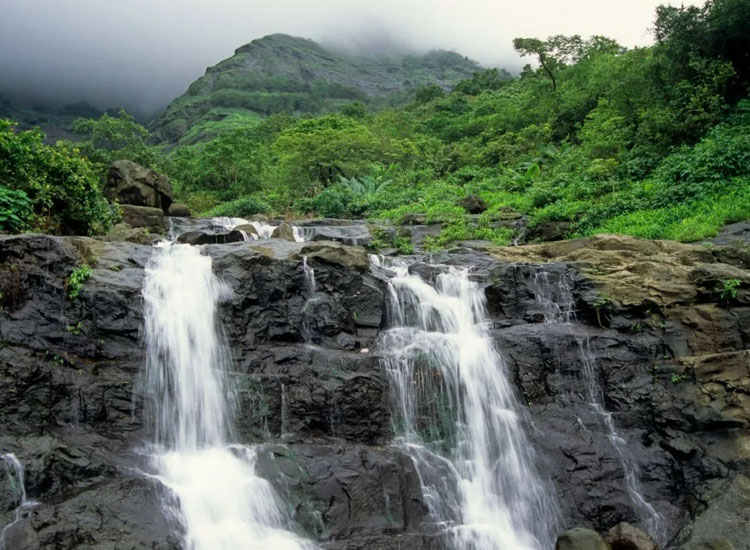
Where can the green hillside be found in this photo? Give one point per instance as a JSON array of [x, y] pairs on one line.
[[285, 74]]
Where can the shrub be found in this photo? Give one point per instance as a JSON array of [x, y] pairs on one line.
[[77, 279], [15, 210], [240, 208], [63, 186]]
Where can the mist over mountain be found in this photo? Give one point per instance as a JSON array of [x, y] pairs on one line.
[[287, 74], [141, 54]]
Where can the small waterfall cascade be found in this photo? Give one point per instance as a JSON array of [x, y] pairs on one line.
[[308, 311], [223, 503], [553, 293], [264, 230], [301, 234], [456, 415], [15, 476]]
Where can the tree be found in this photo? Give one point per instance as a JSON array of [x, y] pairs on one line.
[[231, 165], [110, 138], [318, 151], [425, 94], [62, 186], [559, 50]]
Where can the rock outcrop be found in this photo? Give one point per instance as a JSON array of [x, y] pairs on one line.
[[131, 183], [661, 335]]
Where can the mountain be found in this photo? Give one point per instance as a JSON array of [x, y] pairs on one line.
[[286, 74]]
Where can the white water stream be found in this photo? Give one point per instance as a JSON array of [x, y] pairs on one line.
[[264, 229], [553, 292], [223, 503], [16, 482], [456, 415]]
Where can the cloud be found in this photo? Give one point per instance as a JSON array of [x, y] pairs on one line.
[[142, 53]]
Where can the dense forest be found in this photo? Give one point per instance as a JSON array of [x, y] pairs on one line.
[[652, 142]]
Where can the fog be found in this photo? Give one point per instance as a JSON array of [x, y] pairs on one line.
[[140, 54]]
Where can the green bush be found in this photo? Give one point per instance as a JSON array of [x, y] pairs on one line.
[[15, 210], [240, 208], [63, 186]]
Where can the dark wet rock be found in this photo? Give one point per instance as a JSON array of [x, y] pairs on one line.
[[179, 210], [669, 356], [735, 233], [336, 253], [283, 231], [473, 204], [133, 184], [201, 237], [144, 217], [248, 228], [347, 492], [548, 231], [725, 521], [308, 392], [625, 536], [138, 235], [357, 235], [581, 539]]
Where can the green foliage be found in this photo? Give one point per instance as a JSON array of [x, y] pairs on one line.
[[77, 279], [110, 138], [15, 210], [314, 153], [62, 186], [243, 207], [652, 142], [729, 290]]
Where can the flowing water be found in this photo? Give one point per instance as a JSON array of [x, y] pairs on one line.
[[264, 230], [553, 293], [224, 505], [15, 477], [456, 415]]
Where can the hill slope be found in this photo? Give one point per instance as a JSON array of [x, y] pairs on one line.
[[285, 74]]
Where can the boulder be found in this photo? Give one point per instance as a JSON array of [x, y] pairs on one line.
[[144, 216], [284, 231], [337, 253], [352, 234], [625, 536], [126, 233], [179, 210], [248, 228], [549, 231], [473, 204], [131, 183], [201, 237], [581, 539]]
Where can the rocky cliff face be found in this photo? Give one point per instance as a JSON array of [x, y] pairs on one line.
[[660, 328]]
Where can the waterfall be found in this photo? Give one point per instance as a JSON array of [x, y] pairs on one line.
[[264, 230], [14, 473], [456, 415], [224, 505], [553, 292], [301, 234]]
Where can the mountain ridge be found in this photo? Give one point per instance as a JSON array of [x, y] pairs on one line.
[[280, 73]]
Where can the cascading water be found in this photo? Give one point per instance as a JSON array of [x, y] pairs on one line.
[[15, 476], [553, 292], [264, 230], [456, 415], [223, 503]]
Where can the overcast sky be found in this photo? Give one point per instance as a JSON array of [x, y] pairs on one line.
[[143, 53]]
